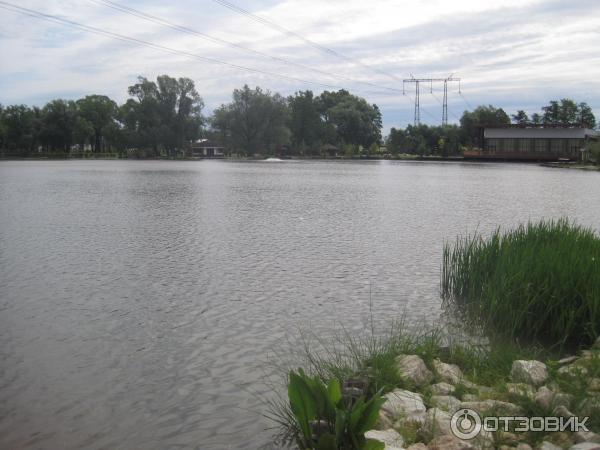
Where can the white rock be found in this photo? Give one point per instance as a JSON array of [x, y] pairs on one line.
[[585, 446], [437, 423], [523, 446], [450, 373], [494, 406], [567, 360], [562, 411], [548, 446], [413, 369], [390, 438], [544, 397], [449, 443], [530, 372], [594, 384], [586, 436], [523, 389], [562, 399], [442, 388], [417, 446], [446, 402], [573, 370], [400, 403], [384, 421]]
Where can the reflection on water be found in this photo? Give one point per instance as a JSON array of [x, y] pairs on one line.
[[138, 299]]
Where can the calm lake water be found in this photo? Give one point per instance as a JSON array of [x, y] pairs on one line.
[[139, 300]]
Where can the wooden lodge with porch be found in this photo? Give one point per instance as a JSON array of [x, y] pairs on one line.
[[532, 144], [205, 148]]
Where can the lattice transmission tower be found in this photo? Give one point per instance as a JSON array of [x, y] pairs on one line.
[[418, 81]]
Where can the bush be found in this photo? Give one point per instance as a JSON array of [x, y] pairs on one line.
[[537, 282], [326, 419]]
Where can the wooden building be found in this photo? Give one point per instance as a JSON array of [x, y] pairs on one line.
[[533, 144], [205, 148]]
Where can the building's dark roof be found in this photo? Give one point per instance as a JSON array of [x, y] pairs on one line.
[[329, 147], [538, 133]]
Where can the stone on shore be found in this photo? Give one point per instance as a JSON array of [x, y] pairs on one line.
[[586, 436], [437, 423], [446, 402], [449, 443], [522, 389], [493, 406], [548, 446], [530, 372], [523, 446], [417, 446], [390, 437], [586, 446], [413, 369], [544, 398], [450, 373], [401, 403], [442, 388]]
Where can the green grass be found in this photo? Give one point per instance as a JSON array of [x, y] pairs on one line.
[[539, 282], [373, 359]]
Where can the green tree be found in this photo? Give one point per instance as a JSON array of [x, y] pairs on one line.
[[355, 121], [254, 121], [551, 113], [21, 126], [521, 118], [305, 121], [166, 114], [58, 123], [585, 116], [83, 132], [100, 111], [482, 117]]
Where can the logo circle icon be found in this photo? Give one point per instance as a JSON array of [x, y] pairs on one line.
[[465, 424]]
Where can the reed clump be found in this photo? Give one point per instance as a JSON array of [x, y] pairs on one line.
[[540, 282]]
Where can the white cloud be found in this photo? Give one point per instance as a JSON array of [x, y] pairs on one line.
[[511, 53]]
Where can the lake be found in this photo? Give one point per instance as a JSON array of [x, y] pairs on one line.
[[139, 300]]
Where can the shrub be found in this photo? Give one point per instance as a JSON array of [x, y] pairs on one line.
[[537, 282], [328, 421]]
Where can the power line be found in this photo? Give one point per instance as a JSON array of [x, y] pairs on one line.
[[417, 82], [184, 29], [51, 18], [310, 42], [140, 42]]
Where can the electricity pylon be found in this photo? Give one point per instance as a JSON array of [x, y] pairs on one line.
[[418, 81]]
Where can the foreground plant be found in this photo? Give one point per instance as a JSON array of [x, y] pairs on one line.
[[538, 282], [328, 420]]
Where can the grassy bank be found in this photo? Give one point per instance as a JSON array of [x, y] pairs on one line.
[[539, 281], [487, 378], [530, 296]]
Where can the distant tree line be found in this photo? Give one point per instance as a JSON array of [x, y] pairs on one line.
[[451, 139], [163, 118]]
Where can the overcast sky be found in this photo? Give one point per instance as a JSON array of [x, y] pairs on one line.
[[517, 54]]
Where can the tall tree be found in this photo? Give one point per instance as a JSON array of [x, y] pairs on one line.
[[585, 116], [520, 118], [355, 121], [100, 111], [305, 121], [253, 121], [58, 124], [21, 126], [482, 117], [163, 114]]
